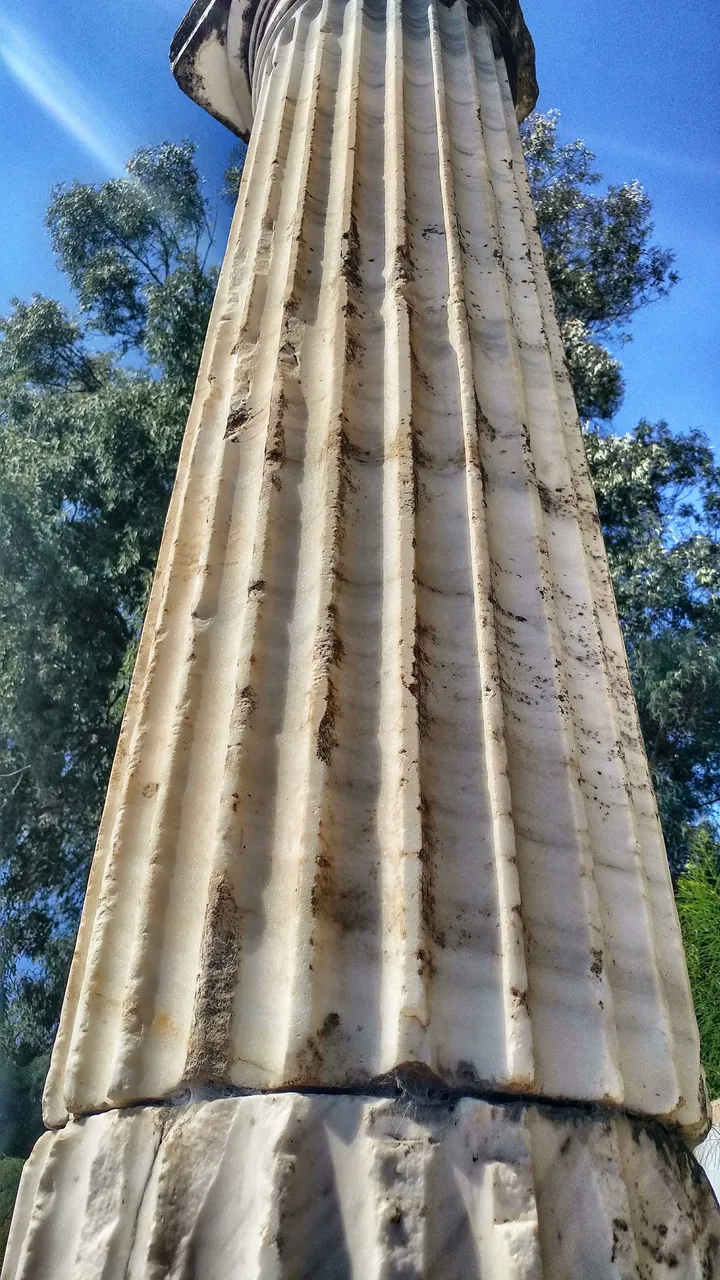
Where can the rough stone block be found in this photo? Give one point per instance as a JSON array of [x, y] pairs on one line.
[[286, 1186]]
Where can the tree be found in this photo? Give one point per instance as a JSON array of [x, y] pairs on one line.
[[234, 172], [659, 503], [600, 259], [88, 445], [698, 900], [10, 1170]]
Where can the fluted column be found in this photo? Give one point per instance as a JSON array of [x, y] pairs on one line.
[[380, 818]]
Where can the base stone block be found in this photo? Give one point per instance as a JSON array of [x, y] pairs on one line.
[[291, 1185]]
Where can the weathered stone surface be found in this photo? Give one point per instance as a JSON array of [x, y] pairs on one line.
[[215, 47], [294, 1186], [381, 796]]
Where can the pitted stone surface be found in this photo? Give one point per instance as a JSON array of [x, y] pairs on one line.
[[381, 796], [286, 1186]]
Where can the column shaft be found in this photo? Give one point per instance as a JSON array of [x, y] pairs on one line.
[[381, 797]]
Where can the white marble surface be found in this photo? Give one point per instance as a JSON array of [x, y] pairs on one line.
[[324, 1188], [381, 795]]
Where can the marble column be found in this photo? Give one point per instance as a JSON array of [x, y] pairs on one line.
[[379, 971]]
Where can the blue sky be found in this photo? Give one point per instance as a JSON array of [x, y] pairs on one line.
[[83, 83]]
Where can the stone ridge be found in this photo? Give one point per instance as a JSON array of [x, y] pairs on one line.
[[381, 797], [286, 1186]]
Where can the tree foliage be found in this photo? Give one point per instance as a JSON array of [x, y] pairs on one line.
[[88, 445], [136, 250], [659, 504], [10, 1170], [698, 900], [600, 259], [234, 172]]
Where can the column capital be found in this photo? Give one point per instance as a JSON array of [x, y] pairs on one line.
[[219, 46]]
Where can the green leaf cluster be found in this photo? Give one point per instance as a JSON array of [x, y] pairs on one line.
[[10, 1171], [698, 900], [91, 415], [136, 252], [600, 259], [659, 504]]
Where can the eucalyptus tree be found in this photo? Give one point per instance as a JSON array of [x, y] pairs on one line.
[[92, 409]]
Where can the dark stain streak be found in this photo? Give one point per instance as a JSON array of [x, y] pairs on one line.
[[351, 257], [208, 1057]]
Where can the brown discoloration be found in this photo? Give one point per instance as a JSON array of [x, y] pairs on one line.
[[343, 904], [326, 739], [419, 686], [621, 1232], [346, 451], [351, 255], [404, 266], [517, 910], [275, 448], [329, 652], [329, 647], [321, 1057], [484, 424], [354, 349], [428, 857], [420, 459], [308, 1066], [236, 421], [247, 701], [209, 1049], [555, 502], [330, 1026], [416, 1081], [520, 998], [419, 372]]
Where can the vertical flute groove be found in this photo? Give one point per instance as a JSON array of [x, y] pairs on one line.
[[408, 958], [518, 1030], [318, 896]]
